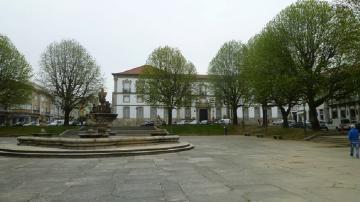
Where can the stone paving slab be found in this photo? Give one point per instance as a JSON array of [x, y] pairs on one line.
[[220, 168]]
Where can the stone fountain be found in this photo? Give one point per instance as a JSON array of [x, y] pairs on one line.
[[96, 140], [101, 119]]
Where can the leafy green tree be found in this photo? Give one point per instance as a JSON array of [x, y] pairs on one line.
[[70, 73], [272, 74], [167, 80], [321, 40], [257, 76], [15, 73], [226, 75], [354, 5]]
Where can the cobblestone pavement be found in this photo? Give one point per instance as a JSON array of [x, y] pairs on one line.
[[230, 168]]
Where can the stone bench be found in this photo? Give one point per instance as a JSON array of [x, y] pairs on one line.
[[259, 135], [277, 137]]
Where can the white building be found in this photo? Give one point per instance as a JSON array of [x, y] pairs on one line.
[[132, 109]]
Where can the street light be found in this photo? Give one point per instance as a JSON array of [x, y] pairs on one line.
[[304, 118]]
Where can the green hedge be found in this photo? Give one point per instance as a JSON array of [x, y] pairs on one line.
[[28, 130]]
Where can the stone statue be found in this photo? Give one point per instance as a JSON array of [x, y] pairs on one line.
[[104, 106], [102, 95]]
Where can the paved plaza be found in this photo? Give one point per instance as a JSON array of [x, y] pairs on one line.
[[220, 168]]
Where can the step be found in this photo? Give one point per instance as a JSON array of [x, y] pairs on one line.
[[24, 151], [337, 140]]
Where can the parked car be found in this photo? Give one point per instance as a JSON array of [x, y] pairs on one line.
[[56, 123], [339, 124], [33, 123], [297, 125], [204, 122], [75, 123], [194, 122], [225, 121], [278, 122], [323, 125], [182, 122], [19, 124], [147, 123]]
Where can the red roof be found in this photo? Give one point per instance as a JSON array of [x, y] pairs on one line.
[[133, 71], [140, 69]]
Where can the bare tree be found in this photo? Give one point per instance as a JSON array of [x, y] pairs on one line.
[[70, 73]]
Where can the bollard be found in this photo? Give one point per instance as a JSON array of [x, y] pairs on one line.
[[225, 130]]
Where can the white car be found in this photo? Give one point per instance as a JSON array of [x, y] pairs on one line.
[[194, 122], [182, 122], [32, 124], [56, 123], [204, 122], [225, 121], [278, 122]]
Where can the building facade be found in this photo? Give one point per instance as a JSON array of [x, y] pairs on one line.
[[39, 108], [133, 110]]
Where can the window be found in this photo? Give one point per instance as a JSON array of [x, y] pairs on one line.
[[139, 112], [165, 113], [321, 114], [153, 113], [126, 112], [126, 86], [343, 113], [257, 112], [269, 114], [334, 113], [218, 113], [202, 89], [126, 98], [352, 114], [187, 113], [140, 99], [246, 113]]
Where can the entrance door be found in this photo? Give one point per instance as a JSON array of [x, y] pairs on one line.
[[203, 113]]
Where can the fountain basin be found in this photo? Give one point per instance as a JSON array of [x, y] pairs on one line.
[[94, 143]]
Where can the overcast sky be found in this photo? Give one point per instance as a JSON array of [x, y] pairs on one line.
[[121, 34]]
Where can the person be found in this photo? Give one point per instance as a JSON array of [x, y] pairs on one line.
[[353, 136]]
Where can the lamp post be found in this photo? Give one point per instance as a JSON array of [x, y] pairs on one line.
[[304, 118]]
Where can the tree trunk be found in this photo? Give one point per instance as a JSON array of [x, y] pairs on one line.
[[234, 112], [284, 115], [265, 121], [315, 125], [169, 115], [66, 116], [243, 118]]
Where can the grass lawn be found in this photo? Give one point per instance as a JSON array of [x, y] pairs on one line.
[[286, 133], [23, 131], [215, 129]]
